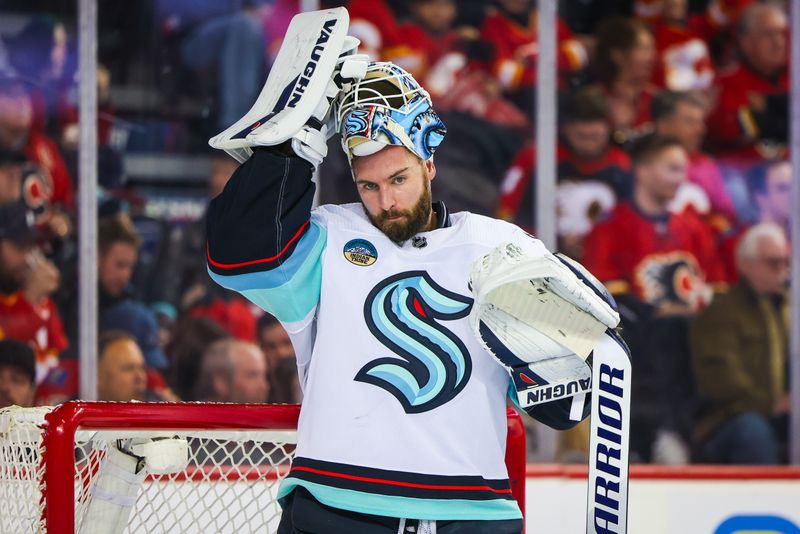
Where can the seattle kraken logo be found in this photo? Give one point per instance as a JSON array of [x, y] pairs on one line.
[[432, 365]]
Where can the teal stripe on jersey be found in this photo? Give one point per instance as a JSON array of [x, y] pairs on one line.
[[405, 507], [291, 290]]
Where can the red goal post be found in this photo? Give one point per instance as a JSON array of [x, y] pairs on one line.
[[50, 459]]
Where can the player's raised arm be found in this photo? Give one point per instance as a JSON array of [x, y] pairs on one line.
[[261, 239]]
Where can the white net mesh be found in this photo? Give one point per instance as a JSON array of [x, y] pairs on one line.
[[229, 485]]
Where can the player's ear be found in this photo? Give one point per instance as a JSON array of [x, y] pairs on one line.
[[430, 167]]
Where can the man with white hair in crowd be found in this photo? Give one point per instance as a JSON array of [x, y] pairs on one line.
[[739, 351]]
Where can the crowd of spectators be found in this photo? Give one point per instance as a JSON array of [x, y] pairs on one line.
[[672, 188]]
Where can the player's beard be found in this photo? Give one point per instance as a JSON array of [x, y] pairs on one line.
[[413, 221]]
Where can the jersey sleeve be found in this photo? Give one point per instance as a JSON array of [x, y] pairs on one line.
[[262, 240]]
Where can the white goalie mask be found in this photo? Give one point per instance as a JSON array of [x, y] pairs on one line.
[[387, 107]]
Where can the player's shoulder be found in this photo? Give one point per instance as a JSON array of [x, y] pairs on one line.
[[484, 230], [339, 213]]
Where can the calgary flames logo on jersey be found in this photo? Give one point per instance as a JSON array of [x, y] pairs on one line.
[[430, 364], [672, 277]]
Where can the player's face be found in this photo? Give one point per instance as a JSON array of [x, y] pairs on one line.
[[121, 373], [395, 189], [115, 267]]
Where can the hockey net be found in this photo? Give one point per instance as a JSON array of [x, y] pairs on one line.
[[51, 460]]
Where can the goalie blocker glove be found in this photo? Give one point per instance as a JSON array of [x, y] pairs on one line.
[[294, 106], [540, 316]]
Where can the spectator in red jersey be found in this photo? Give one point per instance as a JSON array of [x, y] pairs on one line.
[[375, 24], [717, 26], [22, 180], [27, 281], [16, 133], [592, 173], [750, 121], [452, 63], [511, 28], [683, 115], [17, 373], [658, 265], [430, 34], [624, 63], [684, 59], [666, 259], [739, 353]]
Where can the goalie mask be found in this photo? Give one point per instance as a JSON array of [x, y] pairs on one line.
[[387, 107]]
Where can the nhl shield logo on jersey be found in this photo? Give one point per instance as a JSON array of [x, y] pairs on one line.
[[360, 252]]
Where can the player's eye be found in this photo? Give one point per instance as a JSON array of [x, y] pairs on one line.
[[399, 180]]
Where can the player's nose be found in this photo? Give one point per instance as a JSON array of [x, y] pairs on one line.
[[386, 199]]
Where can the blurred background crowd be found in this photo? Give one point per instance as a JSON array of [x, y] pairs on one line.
[[672, 188]]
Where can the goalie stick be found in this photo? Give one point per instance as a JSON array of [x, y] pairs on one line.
[[609, 442]]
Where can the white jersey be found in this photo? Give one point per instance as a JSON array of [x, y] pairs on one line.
[[404, 412], [393, 378]]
